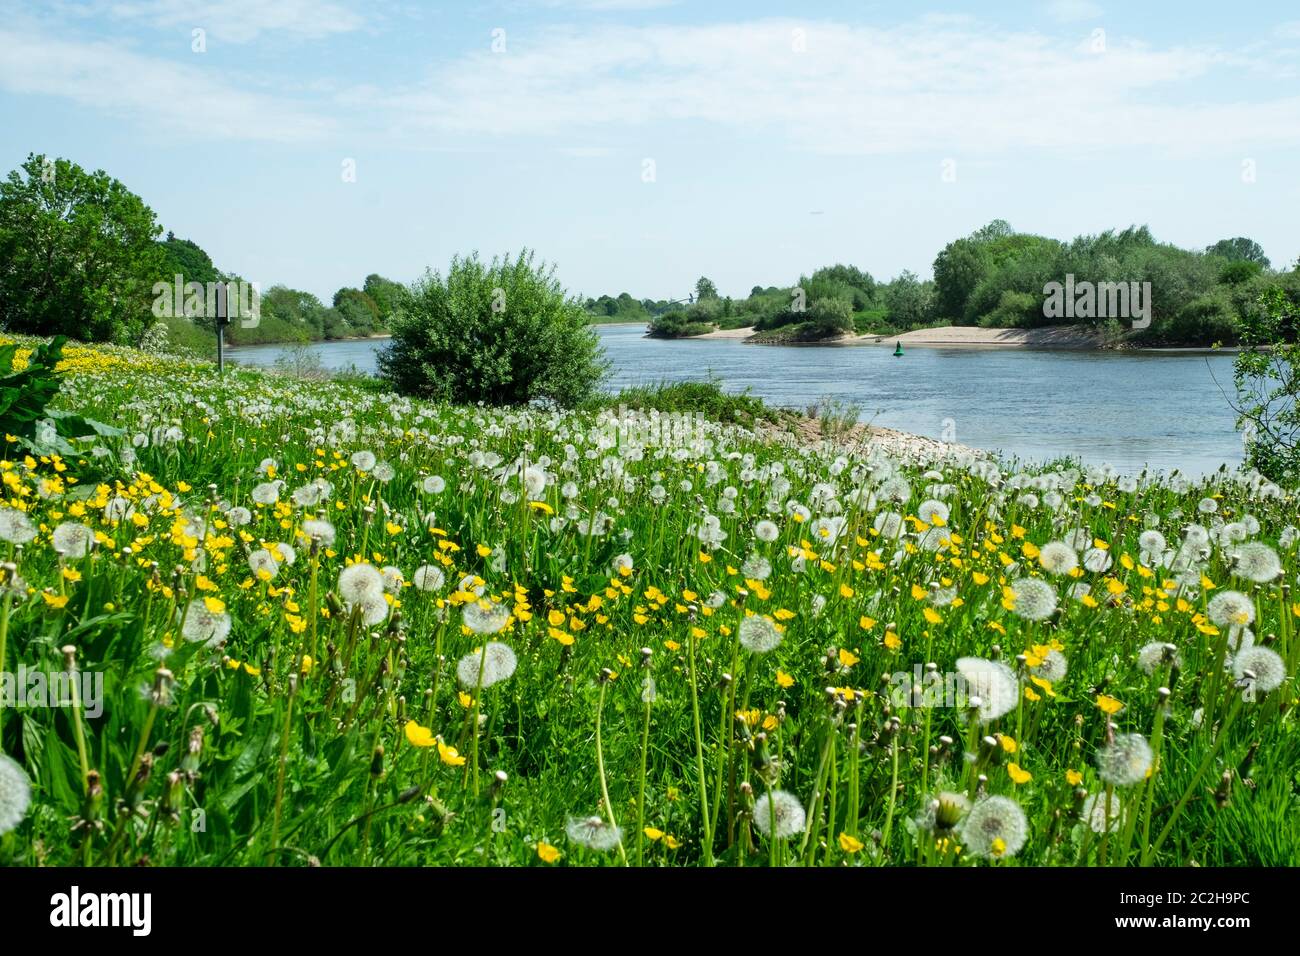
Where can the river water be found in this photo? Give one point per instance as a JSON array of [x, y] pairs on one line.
[[1160, 410]]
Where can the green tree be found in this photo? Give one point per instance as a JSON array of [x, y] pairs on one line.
[[184, 258], [705, 289], [388, 296], [1267, 376], [358, 310], [78, 253], [1240, 249], [908, 300], [504, 332]]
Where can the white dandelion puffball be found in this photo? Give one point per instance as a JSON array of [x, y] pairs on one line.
[[485, 617], [363, 460], [374, 609], [928, 511], [1053, 667], [1125, 761], [992, 682], [1259, 669], [267, 493], [320, 529], [357, 582], [433, 485], [263, 565], [779, 815], [393, 579], [15, 526], [72, 539], [427, 577], [766, 531], [15, 794], [205, 625], [594, 833], [1057, 557], [756, 567], [1231, 608], [1098, 815], [1157, 654], [495, 661], [1151, 542], [1097, 560], [995, 827], [1034, 598], [758, 634], [1256, 561]]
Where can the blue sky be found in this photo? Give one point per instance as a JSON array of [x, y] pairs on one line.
[[783, 136]]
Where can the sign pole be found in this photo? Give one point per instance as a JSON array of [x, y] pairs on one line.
[[222, 317]]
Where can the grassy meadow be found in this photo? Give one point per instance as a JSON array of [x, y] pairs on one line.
[[336, 626]]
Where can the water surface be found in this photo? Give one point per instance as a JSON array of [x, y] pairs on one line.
[[1162, 410]]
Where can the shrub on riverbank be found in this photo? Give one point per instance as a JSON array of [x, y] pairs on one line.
[[504, 333], [677, 325], [705, 398]]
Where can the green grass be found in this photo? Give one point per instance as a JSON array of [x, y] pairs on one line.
[[707, 398], [244, 753]]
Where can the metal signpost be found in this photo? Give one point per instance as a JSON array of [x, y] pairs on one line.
[[223, 319]]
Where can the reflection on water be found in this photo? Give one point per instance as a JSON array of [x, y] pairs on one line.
[[1131, 409]]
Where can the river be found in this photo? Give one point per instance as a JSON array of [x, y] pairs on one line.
[[1161, 410]]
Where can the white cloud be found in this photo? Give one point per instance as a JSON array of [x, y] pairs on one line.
[[240, 21], [160, 96], [1072, 11], [612, 5], [938, 84]]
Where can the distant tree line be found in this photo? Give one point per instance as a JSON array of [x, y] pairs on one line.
[[81, 255], [999, 278]]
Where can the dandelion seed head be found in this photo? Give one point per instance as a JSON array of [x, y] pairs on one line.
[[1256, 561], [497, 661], [1266, 666], [72, 539], [360, 581], [1057, 557], [15, 526], [15, 794], [758, 634], [995, 827], [1053, 667], [1125, 761], [1098, 817], [1034, 598], [486, 617], [594, 833], [205, 625], [779, 815], [992, 683], [1157, 654], [1231, 608]]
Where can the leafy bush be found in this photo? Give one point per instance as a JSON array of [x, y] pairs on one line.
[[504, 333], [24, 402], [676, 325], [706, 398], [1267, 376], [77, 253]]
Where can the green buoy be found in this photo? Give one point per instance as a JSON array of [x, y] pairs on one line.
[[898, 350]]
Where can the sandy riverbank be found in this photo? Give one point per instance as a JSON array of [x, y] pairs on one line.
[[1053, 337]]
